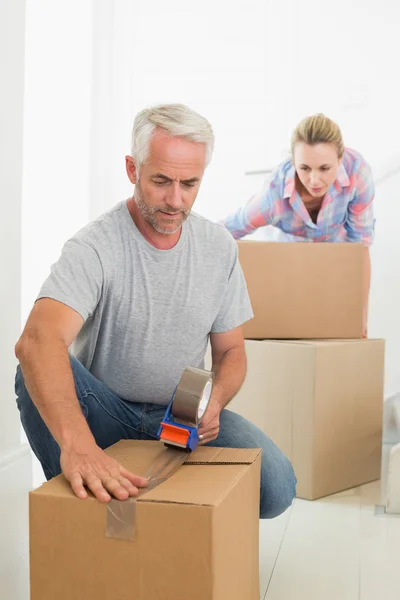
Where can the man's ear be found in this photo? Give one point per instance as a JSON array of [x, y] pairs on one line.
[[131, 169]]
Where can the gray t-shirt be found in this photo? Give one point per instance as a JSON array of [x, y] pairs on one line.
[[148, 313]]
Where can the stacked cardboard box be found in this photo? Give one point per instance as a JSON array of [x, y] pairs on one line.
[[313, 385], [304, 290]]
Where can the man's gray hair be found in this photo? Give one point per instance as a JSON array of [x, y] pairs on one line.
[[177, 120]]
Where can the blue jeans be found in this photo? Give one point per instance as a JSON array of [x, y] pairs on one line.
[[112, 419]]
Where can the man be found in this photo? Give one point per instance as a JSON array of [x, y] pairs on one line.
[[140, 291]]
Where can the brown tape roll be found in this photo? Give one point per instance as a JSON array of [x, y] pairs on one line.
[[192, 396]]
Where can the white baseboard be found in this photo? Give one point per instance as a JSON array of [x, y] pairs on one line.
[[14, 455], [393, 482], [391, 420], [15, 484], [396, 412]]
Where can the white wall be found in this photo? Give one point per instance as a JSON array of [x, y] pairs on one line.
[[209, 55], [384, 318], [57, 134], [340, 59], [15, 466], [112, 102], [11, 24], [57, 140]]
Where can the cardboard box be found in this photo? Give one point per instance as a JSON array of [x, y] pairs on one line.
[[321, 402], [304, 290], [196, 534]]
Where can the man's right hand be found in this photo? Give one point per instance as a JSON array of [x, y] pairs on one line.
[[90, 466]]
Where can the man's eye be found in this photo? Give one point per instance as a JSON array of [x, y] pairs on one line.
[[189, 185], [160, 182]]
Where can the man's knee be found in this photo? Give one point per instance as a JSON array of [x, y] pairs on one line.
[[277, 491]]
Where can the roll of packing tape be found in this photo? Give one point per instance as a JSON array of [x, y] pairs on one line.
[[192, 396], [189, 404]]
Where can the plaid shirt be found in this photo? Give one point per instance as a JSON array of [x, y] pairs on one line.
[[346, 213]]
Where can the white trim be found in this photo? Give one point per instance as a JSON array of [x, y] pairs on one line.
[[112, 103], [16, 454], [15, 484], [396, 411]]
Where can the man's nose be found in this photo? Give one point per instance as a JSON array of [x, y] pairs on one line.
[[174, 198]]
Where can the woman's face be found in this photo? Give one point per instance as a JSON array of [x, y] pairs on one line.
[[316, 166]]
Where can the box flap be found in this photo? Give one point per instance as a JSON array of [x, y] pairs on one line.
[[193, 483], [127, 451], [223, 456]]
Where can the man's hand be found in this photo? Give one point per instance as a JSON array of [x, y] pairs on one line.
[[102, 474], [209, 427]]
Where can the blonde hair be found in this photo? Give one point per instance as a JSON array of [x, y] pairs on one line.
[[177, 120], [318, 129]]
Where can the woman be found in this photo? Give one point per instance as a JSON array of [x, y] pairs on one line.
[[323, 193]]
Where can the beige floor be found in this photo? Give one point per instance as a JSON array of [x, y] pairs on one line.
[[332, 549]]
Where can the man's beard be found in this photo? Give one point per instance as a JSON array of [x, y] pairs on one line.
[[150, 213]]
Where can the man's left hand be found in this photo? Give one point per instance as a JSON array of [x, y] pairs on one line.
[[209, 427]]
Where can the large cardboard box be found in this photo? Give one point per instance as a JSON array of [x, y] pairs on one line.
[[196, 534], [304, 290], [321, 402]]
